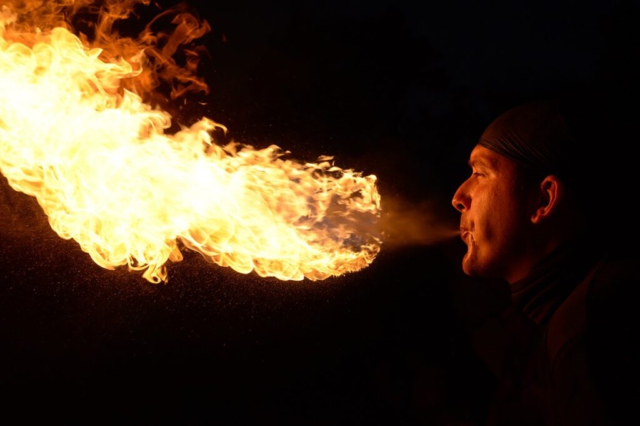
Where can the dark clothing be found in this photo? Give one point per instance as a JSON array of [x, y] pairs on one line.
[[552, 349]]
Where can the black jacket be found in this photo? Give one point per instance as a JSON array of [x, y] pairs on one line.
[[565, 352]]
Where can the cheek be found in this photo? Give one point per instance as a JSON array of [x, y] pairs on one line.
[[504, 213], [514, 216]]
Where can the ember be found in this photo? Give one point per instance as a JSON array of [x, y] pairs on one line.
[[76, 133]]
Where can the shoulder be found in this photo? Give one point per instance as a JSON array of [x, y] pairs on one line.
[[616, 273], [607, 297], [592, 345], [612, 338], [614, 295], [591, 355]]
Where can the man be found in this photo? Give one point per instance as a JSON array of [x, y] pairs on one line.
[[564, 350]]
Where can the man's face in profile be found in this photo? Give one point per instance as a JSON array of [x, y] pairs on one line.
[[494, 216]]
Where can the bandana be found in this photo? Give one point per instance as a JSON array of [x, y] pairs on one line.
[[535, 135]]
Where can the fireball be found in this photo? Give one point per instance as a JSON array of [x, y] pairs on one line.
[[77, 134]]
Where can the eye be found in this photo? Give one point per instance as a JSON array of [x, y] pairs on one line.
[[477, 174]]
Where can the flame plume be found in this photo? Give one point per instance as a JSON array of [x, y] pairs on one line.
[[76, 133]]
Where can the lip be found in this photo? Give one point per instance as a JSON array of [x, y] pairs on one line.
[[466, 234]]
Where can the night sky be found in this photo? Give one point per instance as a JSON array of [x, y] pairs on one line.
[[397, 89]]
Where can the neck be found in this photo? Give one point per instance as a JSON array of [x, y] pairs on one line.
[[533, 256]]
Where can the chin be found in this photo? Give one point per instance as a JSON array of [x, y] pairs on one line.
[[472, 266], [468, 266]]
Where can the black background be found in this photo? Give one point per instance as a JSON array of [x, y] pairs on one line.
[[397, 89]]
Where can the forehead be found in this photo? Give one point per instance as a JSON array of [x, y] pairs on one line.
[[486, 158]]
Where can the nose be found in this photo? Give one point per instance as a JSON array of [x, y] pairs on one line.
[[461, 200]]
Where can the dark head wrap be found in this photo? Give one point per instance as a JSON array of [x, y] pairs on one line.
[[535, 135], [586, 140]]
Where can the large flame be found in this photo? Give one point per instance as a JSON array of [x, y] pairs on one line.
[[76, 134]]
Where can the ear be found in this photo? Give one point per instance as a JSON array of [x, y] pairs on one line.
[[550, 192]]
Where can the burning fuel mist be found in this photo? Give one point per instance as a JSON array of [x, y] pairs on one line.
[[403, 223], [77, 134]]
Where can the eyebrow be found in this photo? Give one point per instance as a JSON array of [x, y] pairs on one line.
[[480, 163]]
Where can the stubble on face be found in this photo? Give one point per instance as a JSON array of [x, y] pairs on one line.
[[493, 219]]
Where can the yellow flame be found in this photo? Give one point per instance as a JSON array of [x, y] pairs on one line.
[[76, 134]]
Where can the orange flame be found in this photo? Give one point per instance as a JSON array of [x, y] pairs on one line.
[[76, 133]]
